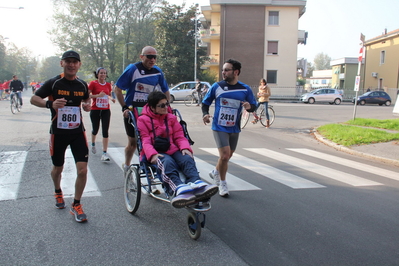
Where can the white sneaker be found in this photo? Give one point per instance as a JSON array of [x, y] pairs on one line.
[[214, 174], [93, 149], [223, 190], [105, 158]]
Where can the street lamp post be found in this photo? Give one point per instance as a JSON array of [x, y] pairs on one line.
[[124, 50], [195, 43]]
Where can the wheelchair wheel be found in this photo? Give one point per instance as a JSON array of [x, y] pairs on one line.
[[132, 190], [244, 118], [194, 225], [189, 100]]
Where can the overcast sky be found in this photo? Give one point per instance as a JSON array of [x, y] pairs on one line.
[[334, 26]]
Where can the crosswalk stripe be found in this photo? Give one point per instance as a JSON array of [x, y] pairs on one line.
[[11, 165], [118, 156], [275, 174], [315, 168], [235, 183], [69, 177], [356, 165]]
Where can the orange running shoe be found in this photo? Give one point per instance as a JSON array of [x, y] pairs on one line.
[[59, 201], [77, 210]]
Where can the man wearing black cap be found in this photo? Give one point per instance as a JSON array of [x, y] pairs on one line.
[[66, 94]]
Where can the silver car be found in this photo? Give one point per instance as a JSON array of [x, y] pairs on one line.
[[322, 95], [181, 90]]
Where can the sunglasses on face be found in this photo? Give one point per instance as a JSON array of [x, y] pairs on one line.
[[163, 105], [151, 56]]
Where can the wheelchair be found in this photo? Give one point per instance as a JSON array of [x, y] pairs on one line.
[[141, 178]]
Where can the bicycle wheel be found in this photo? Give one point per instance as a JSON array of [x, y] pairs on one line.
[[13, 105], [18, 104], [263, 119], [132, 190], [189, 100], [244, 118]]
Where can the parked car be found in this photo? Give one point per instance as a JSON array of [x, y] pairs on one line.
[[373, 97], [323, 95], [181, 90]]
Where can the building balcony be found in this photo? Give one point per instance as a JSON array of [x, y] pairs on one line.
[[213, 61], [208, 34], [302, 36]]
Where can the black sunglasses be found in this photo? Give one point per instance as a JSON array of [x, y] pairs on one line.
[[151, 56], [163, 105]]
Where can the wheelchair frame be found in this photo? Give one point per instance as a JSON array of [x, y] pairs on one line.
[[143, 176]]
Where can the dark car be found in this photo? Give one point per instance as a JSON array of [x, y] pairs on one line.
[[373, 97]]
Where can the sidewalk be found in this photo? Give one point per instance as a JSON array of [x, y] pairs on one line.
[[387, 152]]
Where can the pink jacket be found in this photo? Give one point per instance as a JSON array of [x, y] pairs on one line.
[[176, 135]]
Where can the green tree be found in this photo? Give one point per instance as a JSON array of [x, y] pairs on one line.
[[50, 68], [99, 29], [174, 30], [310, 70], [322, 61]]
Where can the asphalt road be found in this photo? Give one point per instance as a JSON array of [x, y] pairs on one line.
[[294, 201]]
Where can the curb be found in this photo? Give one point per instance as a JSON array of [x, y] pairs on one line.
[[339, 147]]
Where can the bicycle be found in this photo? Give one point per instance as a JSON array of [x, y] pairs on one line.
[[15, 102], [262, 116], [191, 99]]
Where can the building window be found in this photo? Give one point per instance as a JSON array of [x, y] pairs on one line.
[[382, 57], [271, 76], [273, 17], [272, 47]]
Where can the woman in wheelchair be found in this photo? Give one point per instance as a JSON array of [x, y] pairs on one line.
[[165, 144]]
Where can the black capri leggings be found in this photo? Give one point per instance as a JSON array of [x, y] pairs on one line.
[[105, 117]]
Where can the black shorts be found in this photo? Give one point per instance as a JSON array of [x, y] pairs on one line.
[[129, 128], [77, 142]]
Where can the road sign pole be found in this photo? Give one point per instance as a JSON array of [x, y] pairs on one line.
[[357, 81]]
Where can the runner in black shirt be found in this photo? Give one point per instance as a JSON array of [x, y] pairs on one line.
[[66, 95]]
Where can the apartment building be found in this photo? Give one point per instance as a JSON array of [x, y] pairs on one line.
[[262, 34], [344, 72], [382, 61]]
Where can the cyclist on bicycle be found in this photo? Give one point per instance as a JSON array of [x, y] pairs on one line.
[[263, 95], [17, 87]]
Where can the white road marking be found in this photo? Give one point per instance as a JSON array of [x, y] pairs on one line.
[[11, 167], [69, 177], [275, 174], [315, 168], [349, 163]]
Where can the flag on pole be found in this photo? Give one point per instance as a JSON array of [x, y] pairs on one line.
[[361, 54]]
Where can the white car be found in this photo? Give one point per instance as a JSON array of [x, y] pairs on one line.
[[181, 90], [323, 95]]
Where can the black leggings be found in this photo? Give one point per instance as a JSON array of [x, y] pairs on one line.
[[105, 117]]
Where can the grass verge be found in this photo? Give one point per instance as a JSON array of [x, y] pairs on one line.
[[354, 132]]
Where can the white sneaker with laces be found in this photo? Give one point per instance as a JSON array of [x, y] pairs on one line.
[[223, 190], [105, 158], [214, 174], [93, 149]]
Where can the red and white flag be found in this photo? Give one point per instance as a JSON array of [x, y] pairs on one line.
[[361, 54]]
